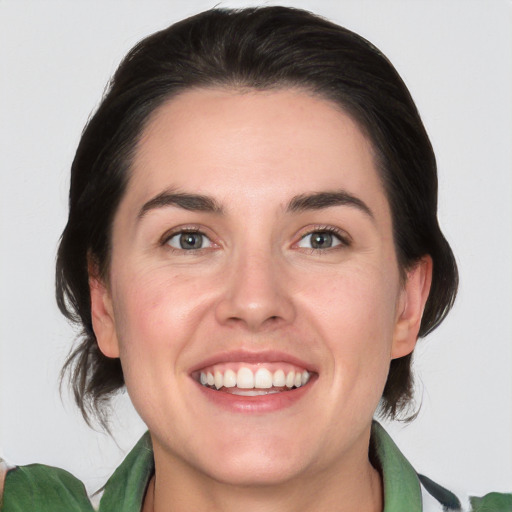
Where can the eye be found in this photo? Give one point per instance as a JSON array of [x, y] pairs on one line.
[[321, 239], [189, 241]]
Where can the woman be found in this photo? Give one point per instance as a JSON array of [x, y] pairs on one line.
[[253, 248]]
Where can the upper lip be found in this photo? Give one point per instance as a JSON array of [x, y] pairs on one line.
[[253, 357]]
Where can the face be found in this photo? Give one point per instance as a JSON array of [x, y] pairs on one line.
[[253, 252]]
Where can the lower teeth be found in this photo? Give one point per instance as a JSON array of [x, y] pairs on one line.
[[251, 392]]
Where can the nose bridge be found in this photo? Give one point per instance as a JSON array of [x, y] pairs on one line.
[[255, 291]]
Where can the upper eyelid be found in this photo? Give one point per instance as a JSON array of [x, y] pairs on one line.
[[340, 233], [164, 239], [308, 230], [180, 233]]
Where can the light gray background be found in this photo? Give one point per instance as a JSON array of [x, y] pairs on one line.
[[456, 57]]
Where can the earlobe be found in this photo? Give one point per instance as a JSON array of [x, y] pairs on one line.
[[102, 316], [414, 297]]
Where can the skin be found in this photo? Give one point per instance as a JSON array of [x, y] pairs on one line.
[[257, 285]]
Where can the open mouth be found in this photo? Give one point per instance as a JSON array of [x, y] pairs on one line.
[[253, 380]]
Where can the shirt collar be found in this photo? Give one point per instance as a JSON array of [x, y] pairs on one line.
[[402, 491], [126, 488]]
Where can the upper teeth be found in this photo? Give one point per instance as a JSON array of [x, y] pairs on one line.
[[244, 378]]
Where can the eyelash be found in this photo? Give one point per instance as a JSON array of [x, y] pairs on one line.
[[195, 230], [343, 238]]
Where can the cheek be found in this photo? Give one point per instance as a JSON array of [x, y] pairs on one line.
[[354, 314], [155, 317], [155, 299], [155, 314], [357, 300]]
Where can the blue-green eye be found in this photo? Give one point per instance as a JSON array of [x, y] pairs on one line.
[[189, 241], [320, 240]]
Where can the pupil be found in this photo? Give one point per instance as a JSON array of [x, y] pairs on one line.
[[191, 241], [321, 240]]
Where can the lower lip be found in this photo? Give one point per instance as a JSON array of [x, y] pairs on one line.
[[256, 404]]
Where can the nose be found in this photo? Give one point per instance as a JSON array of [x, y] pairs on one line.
[[256, 293]]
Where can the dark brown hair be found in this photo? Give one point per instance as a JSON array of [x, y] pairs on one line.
[[259, 48]]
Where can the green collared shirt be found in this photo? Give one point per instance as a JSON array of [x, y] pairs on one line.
[[46, 489]]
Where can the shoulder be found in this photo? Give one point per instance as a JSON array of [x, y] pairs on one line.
[[405, 490], [437, 498], [42, 488], [492, 502], [3, 474]]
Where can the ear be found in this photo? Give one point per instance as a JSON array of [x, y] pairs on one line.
[[102, 315], [412, 302]]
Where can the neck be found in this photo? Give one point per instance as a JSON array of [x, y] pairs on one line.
[[344, 488]]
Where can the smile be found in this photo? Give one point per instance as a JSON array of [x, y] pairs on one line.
[[250, 382], [246, 380]]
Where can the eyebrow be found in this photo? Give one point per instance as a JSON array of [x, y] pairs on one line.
[[321, 200], [300, 203], [191, 202]]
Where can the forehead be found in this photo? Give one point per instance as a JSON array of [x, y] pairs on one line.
[[266, 145]]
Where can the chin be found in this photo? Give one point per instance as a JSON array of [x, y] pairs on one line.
[[255, 471], [255, 461]]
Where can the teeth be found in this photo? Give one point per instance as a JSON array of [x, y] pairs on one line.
[[230, 379], [254, 384], [244, 379], [253, 392], [263, 379], [219, 379], [290, 380], [279, 380]]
